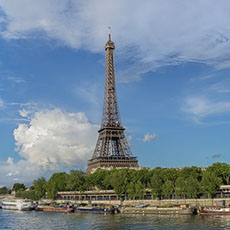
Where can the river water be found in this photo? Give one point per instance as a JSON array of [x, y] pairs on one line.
[[40, 220]]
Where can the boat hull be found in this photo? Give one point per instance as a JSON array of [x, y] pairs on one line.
[[54, 209], [17, 204], [95, 209], [214, 212]]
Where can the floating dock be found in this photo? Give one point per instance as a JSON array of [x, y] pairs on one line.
[[156, 210]]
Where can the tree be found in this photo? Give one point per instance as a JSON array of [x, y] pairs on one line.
[[131, 190], [139, 190], [39, 187], [76, 181], [167, 188], [56, 183], [169, 174], [210, 183], [26, 194], [156, 185], [4, 190], [17, 187], [192, 187], [97, 179], [143, 175], [221, 170], [119, 181], [136, 190], [180, 187], [107, 180]]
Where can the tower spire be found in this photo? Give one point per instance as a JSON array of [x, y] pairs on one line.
[[109, 30], [112, 148]]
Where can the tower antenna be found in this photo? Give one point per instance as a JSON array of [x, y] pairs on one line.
[[109, 29]]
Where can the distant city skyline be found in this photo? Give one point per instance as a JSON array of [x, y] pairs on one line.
[[172, 72]]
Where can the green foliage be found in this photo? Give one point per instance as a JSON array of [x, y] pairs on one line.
[[97, 179], [26, 194], [131, 190], [169, 175], [18, 186], [76, 181], [4, 190], [210, 183], [156, 183], [192, 187], [143, 175], [180, 187], [136, 190], [119, 181], [57, 183], [221, 170], [39, 187], [167, 188], [140, 190], [188, 182]]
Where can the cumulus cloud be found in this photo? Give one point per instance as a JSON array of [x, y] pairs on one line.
[[149, 137], [52, 140], [150, 34]]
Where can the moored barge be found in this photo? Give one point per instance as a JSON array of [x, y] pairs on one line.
[[48, 208]]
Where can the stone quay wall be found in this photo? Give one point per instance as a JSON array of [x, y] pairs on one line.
[[154, 203]]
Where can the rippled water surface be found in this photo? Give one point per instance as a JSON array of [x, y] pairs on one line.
[[40, 220]]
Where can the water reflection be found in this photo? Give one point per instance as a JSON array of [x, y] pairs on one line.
[[49, 221]]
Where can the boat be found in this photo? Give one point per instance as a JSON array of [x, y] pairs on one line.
[[216, 211], [96, 209], [57, 208], [17, 204]]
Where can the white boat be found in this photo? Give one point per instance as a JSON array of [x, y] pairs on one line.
[[220, 211], [17, 204]]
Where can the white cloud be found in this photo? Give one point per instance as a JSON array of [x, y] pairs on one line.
[[10, 161], [149, 137], [129, 138], [15, 79], [201, 107], [1, 103], [150, 34], [53, 140], [89, 93]]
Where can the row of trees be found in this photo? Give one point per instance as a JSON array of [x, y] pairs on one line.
[[16, 187], [189, 182]]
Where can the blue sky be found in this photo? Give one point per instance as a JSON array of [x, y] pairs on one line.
[[172, 69]]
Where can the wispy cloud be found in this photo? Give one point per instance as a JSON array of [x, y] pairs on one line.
[[201, 107], [150, 35], [149, 137], [89, 93], [222, 87], [16, 79], [217, 156], [1, 103]]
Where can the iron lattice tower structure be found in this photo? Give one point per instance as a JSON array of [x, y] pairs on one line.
[[112, 149]]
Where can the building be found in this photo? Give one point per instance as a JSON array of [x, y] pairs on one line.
[[112, 149]]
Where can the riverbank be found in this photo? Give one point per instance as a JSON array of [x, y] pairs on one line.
[[158, 210], [155, 203]]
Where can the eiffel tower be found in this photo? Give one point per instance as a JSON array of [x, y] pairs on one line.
[[112, 149]]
